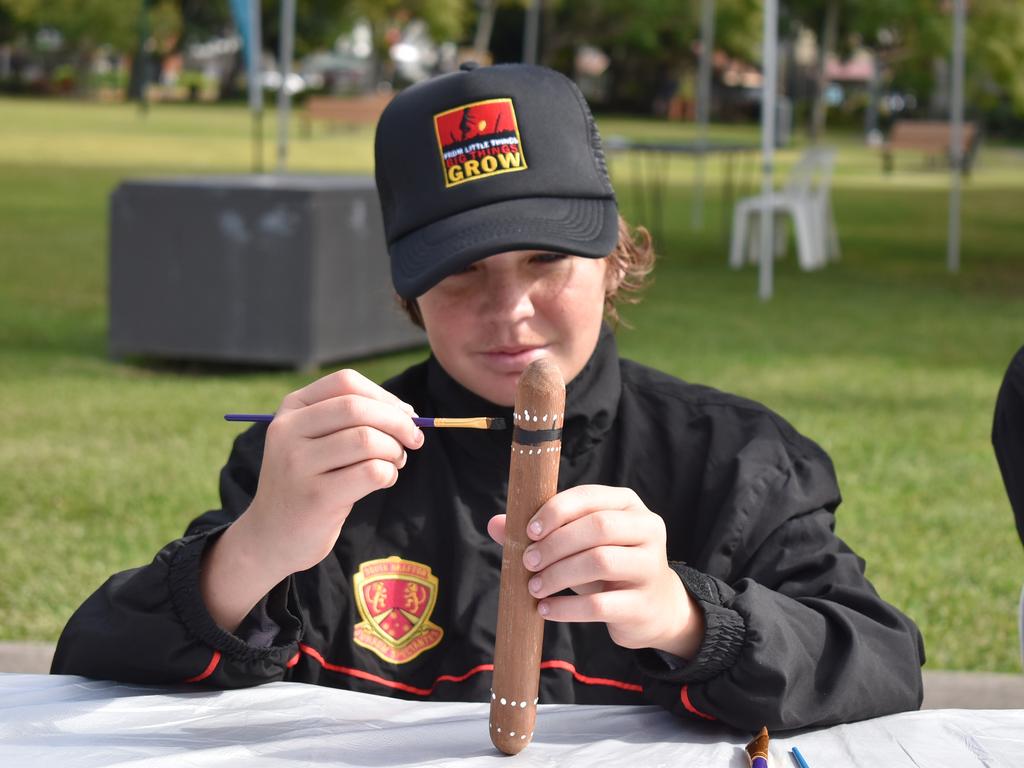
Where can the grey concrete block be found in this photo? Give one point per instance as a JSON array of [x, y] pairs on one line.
[[259, 269]]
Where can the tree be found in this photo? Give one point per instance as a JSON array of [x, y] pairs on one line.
[[651, 42], [85, 25], [446, 19], [170, 25], [914, 38]]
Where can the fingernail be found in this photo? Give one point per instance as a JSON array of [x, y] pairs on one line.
[[532, 558], [418, 438], [408, 409], [536, 528], [543, 609], [405, 458], [534, 584]]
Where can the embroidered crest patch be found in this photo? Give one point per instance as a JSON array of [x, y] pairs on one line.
[[479, 140], [395, 598]]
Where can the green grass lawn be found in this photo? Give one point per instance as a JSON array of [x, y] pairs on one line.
[[885, 359]]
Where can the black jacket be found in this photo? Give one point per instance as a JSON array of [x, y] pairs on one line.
[[1008, 436], [796, 636]]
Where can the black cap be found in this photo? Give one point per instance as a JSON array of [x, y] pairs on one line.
[[486, 160]]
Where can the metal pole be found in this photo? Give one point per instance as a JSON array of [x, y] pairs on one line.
[[143, 63], [284, 99], [531, 32], [956, 150], [484, 28], [707, 44], [829, 28], [770, 43], [254, 65], [871, 113]]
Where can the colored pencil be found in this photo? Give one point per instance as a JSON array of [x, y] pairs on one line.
[[800, 758], [474, 422], [757, 750]]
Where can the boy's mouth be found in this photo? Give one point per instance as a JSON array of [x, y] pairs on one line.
[[514, 358]]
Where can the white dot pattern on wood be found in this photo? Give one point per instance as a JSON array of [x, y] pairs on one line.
[[515, 704], [526, 416], [538, 451]]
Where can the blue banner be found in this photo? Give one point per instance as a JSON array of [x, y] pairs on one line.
[[246, 14], [240, 13]]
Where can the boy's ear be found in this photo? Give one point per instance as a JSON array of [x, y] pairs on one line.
[[614, 273]]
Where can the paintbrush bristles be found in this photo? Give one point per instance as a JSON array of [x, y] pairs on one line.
[[476, 422]]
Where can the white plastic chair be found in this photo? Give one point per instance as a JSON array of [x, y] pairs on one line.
[[807, 199]]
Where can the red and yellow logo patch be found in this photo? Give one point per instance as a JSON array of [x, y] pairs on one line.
[[395, 597], [479, 140]]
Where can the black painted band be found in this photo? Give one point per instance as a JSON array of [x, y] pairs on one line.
[[535, 436]]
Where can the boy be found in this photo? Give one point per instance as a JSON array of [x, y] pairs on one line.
[[689, 559], [1008, 436]]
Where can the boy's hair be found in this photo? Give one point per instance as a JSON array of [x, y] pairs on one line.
[[631, 261]]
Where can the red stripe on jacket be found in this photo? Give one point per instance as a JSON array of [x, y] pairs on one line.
[[209, 669], [550, 664], [684, 697]]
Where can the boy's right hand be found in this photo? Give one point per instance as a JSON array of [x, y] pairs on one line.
[[330, 444]]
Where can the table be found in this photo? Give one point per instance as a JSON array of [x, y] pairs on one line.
[[651, 161], [73, 722]]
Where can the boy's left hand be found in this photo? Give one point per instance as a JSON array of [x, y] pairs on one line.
[[607, 547]]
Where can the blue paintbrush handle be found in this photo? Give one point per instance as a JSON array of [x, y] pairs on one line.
[[266, 418]]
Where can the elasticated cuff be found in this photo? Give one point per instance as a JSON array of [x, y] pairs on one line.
[[183, 581], [724, 630]]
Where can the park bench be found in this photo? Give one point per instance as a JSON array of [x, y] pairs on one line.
[[932, 138], [362, 109]]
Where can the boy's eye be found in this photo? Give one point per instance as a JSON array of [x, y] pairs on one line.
[[548, 258]]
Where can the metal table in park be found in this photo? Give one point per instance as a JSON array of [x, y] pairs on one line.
[[649, 163]]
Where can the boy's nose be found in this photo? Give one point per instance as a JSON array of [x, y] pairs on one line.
[[510, 298]]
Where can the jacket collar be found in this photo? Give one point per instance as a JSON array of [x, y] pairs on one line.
[[591, 399]]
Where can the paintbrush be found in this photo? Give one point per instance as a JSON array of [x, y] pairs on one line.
[[757, 750], [472, 422]]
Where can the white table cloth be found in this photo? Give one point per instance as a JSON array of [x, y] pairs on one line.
[[73, 722]]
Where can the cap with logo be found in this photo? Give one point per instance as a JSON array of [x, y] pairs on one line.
[[487, 160]]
